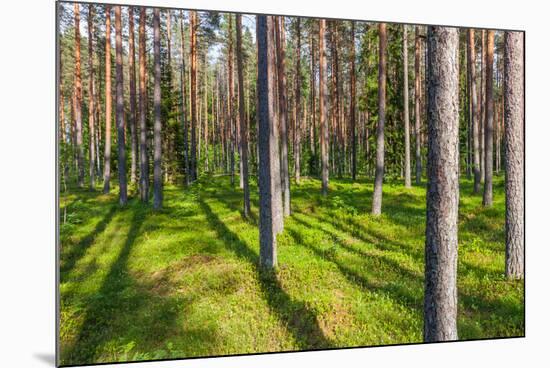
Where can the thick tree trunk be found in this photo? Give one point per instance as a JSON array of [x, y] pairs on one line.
[[418, 158], [242, 121], [514, 148], [91, 96], [269, 181], [108, 102], [488, 187], [157, 159], [123, 196], [475, 108], [78, 99], [143, 151], [297, 107], [406, 107], [352, 106], [440, 297], [283, 115], [133, 118], [323, 105], [379, 174]]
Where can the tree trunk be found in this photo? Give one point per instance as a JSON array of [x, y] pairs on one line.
[[406, 107], [323, 105], [132, 67], [297, 106], [108, 101], [157, 159], [475, 107], [123, 196], [483, 106], [379, 174], [514, 148], [269, 181], [242, 121], [183, 88], [91, 96], [488, 187], [78, 99], [143, 151], [440, 297], [283, 116], [418, 159], [193, 47], [352, 106], [230, 86]]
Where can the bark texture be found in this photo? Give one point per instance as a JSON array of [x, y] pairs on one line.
[[157, 158], [269, 180], [123, 196], [489, 105], [514, 148], [379, 173], [418, 158], [475, 108], [440, 298]]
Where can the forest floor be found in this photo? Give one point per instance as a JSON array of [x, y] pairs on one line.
[[139, 284]]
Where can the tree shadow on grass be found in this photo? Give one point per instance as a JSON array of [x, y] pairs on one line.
[[300, 320], [118, 299], [76, 251]]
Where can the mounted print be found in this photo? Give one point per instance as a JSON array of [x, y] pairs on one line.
[[248, 183]]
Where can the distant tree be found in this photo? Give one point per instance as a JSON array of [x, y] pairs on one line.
[[108, 102], [488, 187], [406, 107], [440, 296], [297, 106], [323, 105], [283, 115], [242, 121], [143, 151], [269, 181], [418, 158], [475, 108], [193, 25], [78, 98], [185, 123], [514, 149], [123, 197], [379, 173], [352, 105], [157, 159], [91, 94]]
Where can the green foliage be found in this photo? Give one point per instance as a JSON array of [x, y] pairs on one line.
[[184, 281]]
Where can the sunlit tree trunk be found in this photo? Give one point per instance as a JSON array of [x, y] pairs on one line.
[[91, 96], [108, 102], [157, 159], [269, 180], [514, 148], [123, 197], [143, 151], [132, 67], [297, 106], [193, 49], [406, 107], [418, 158], [78, 99], [352, 106], [323, 105], [185, 123], [379, 173], [488, 185], [475, 108], [440, 296]]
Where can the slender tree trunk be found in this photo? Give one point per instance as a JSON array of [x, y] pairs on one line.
[[483, 106], [132, 67], [283, 116], [475, 108], [297, 104], [123, 197], [514, 150], [440, 297], [157, 160], [379, 174], [352, 106], [488, 187], [406, 107], [242, 121], [78, 99], [193, 47], [323, 105], [91, 95], [108, 101], [269, 181], [418, 158], [313, 138], [185, 124], [143, 151], [230, 87]]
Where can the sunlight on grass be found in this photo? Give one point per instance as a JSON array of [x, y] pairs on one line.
[[184, 281]]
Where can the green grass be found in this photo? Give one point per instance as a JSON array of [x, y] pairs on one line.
[[184, 281]]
